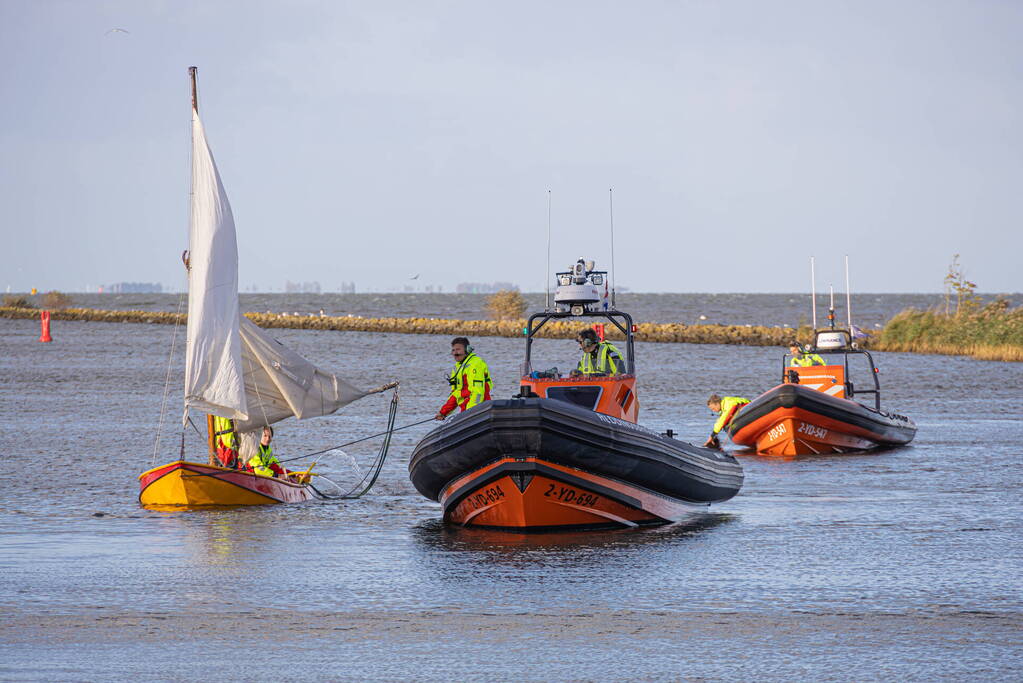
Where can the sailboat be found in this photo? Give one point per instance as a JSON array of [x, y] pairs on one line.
[[233, 368]]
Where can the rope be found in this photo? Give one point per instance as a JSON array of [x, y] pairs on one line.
[[166, 382], [370, 478], [366, 438]]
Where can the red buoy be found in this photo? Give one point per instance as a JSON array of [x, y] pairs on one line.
[[45, 319], [599, 329]]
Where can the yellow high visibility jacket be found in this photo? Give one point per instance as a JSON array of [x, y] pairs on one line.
[[604, 359], [730, 405], [470, 384], [223, 430], [805, 360], [261, 461]]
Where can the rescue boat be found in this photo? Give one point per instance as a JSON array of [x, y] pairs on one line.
[[567, 452], [814, 411]]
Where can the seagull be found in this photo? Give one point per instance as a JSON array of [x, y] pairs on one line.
[[116, 30], [415, 277]]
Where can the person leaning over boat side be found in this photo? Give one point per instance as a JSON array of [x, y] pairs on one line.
[[264, 462], [803, 358], [469, 380], [727, 407], [226, 441], [599, 357]]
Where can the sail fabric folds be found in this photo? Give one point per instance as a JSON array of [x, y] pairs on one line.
[[214, 380], [280, 383]]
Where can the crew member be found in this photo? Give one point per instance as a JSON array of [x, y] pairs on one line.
[[226, 441], [599, 357], [469, 380], [264, 462], [803, 358], [726, 408]]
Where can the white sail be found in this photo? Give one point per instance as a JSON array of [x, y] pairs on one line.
[[280, 383], [213, 359]]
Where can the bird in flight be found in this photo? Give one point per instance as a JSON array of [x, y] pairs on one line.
[[415, 277], [116, 30]]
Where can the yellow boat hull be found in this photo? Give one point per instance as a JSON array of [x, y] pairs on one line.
[[184, 484]]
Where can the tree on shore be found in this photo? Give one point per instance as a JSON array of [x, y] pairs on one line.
[[964, 290]]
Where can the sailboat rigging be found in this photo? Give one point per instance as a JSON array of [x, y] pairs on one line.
[[233, 368]]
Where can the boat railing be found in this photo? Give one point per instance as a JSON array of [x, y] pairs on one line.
[[620, 319]]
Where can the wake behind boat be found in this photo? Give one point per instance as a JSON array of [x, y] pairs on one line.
[[567, 452], [235, 372]]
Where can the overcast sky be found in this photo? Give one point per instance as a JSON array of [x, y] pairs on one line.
[[371, 141]]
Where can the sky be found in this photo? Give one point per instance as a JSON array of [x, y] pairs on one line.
[[369, 142]]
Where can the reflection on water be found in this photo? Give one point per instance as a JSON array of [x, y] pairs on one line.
[[435, 535]]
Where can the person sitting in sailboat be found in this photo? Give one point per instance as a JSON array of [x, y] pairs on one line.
[[599, 357], [264, 462], [226, 441], [802, 358]]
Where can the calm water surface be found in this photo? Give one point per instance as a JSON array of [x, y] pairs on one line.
[[901, 565]]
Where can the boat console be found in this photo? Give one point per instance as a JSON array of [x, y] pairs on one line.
[[579, 296]]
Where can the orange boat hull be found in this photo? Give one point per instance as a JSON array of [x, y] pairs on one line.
[[183, 484], [794, 432], [534, 494]]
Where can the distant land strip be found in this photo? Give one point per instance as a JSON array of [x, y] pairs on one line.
[[1006, 348]]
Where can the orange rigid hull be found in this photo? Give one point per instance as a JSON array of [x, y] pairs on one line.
[[537, 494], [790, 431], [190, 484]]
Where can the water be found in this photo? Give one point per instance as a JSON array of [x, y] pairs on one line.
[[901, 565]]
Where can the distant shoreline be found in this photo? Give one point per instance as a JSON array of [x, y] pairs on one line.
[[1007, 349]]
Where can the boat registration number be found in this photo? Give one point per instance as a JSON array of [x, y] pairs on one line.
[[485, 497], [565, 494], [812, 430], [776, 432]]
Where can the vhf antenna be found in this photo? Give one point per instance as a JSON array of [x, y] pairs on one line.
[[611, 207], [831, 308], [547, 274], [813, 294], [848, 295]]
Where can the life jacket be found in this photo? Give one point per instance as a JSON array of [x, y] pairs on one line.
[[262, 460], [730, 405], [470, 384], [606, 355], [224, 435], [805, 360]]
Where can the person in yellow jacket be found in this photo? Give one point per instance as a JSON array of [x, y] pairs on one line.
[[264, 462], [599, 357], [469, 380], [226, 441], [726, 408], [803, 358]]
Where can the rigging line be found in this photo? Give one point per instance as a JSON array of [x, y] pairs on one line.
[[366, 438], [166, 382], [374, 471]]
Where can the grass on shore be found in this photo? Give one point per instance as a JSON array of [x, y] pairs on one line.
[[994, 332]]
